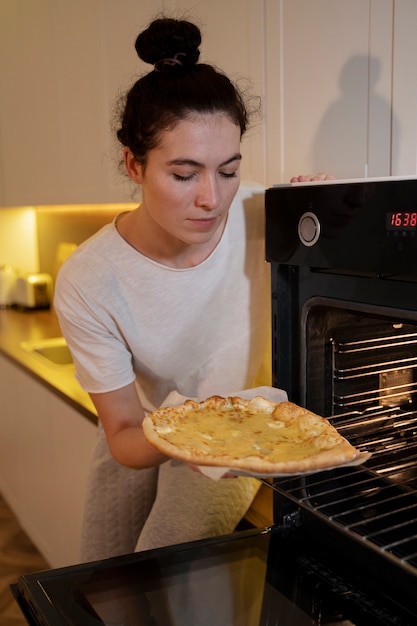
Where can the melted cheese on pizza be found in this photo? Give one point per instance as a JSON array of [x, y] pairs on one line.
[[273, 436]]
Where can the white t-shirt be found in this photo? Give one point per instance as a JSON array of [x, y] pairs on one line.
[[199, 331]]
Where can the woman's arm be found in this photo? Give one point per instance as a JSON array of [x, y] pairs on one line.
[[121, 415]]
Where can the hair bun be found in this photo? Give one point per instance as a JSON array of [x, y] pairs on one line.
[[166, 37]]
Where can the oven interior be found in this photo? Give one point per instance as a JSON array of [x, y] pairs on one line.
[[368, 363]]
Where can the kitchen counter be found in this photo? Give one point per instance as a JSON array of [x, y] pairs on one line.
[[18, 326]]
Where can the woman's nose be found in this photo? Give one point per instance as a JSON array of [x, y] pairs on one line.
[[208, 194]]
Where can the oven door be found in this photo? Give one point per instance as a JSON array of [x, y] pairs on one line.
[[262, 577]]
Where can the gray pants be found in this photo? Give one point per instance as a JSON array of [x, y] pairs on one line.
[[128, 510]]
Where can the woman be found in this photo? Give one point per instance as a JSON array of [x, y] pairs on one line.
[[171, 297]]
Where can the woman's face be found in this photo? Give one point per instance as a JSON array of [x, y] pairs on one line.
[[189, 180]]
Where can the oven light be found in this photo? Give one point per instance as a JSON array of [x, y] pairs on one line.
[[398, 326], [395, 387]]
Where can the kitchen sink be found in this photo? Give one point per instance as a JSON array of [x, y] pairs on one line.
[[55, 350]]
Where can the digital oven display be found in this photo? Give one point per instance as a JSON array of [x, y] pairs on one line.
[[401, 220]]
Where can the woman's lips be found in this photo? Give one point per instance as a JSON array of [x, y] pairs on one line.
[[205, 222]]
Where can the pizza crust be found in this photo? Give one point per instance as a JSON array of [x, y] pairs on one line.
[[257, 435]]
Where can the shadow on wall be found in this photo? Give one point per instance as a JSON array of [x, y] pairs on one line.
[[358, 120]]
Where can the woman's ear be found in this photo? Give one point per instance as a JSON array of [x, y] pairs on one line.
[[133, 168]]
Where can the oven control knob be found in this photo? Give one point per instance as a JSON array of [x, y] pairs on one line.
[[309, 229]]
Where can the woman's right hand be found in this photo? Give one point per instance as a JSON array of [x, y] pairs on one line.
[[307, 178]]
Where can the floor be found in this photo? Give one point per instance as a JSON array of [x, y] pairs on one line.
[[17, 556]]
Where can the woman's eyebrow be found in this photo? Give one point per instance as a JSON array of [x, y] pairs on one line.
[[193, 163], [235, 157]]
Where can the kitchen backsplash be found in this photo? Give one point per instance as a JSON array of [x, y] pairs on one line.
[[18, 240], [30, 236]]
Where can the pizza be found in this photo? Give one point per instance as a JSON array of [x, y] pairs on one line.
[[254, 436]]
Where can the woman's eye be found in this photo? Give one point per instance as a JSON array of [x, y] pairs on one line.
[[183, 178], [228, 174], [187, 177]]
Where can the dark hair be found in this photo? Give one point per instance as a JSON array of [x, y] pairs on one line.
[[176, 87]]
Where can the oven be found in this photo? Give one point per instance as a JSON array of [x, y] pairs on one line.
[[343, 549], [344, 291]]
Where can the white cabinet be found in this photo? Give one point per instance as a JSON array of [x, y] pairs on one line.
[[334, 71], [45, 451], [404, 89], [333, 75], [62, 66]]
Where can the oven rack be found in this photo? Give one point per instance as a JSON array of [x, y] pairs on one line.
[[374, 504], [394, 395], [374, 343]]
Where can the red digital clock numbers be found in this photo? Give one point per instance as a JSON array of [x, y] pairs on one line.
[[402, 220]]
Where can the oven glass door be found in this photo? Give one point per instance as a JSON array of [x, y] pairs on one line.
[[250, 578]]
